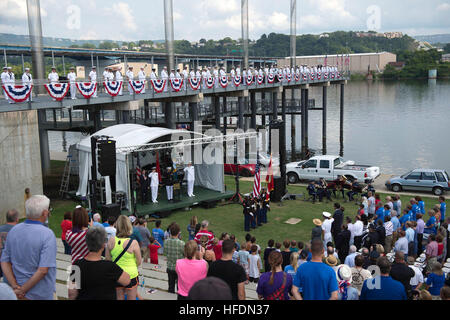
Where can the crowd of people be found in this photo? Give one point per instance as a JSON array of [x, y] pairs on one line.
[[377, 255]]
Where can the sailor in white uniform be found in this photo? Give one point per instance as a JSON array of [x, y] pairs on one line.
[[72, 77], [244, 75], [223, 73], [141, 77], [105, 74], [204, 78], [216, 77], [165, 76], [5, 81], [154, 183], [130, 77], [232, 73], [185, 77], [93, 78], [189, 172], [198, 74], [119, 78], [53, 77], [27, 80]]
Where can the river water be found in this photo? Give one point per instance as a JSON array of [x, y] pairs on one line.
[[396, 125]]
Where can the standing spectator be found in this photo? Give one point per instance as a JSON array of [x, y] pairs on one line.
[[76, 238], [397, 203], [409, 234], [430, 226], [326, 227], [267, 251], [445, 293], [126, 253], [230, 272], [12, 218], [350, 259], [153, 248], [421, 204], [344, 278], [98, 278], [343, 242], [192, 227], [217, 248], [109, 228], [276, 284], [97, 220], [158, 234], [254, 265], [371, 204], [291, 269], [174, 250], [317, 280], [286, 253], [338, 217], [389, 202], [431, 252], [442, 208], [419, 230], [402, 243], [401, 272], [358, 228], [210, 288], [372, 237], [244, 260], [382, 287], [395, 224], [145, 235], [317, 231], [389, 231], [435, 281], [28, 259], [416, 281], [359, 274], [381, 232], [204, 232], [66, 225], [190, 270]]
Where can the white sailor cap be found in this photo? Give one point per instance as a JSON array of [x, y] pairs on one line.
[[27, 69], [326, 214]]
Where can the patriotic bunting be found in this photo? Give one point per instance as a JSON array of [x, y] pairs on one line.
[[304, 76], [237, 81], [270, 78], [249, 79], [18, 93], [297, 77], [209, 82], [223, 81], [87, 89], [176, 84], [158, 85], [195, 83], [319, 75], [280, 77], [311, 76], [260, 79], [288, 77], [137, 86], [113, 87], [57, 90]]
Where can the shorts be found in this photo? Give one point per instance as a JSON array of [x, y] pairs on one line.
[[145, 253], [133, 283], [246, 268], [255, 280]]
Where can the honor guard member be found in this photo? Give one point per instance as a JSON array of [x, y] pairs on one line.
[[93, 78], [154, 184], [141, 77], [222, 72], [216, 77], [165, 77], [190, 178], [258, 210], [244, 75], [27, 80], [208, 73], [153, 74], [72, 77], [265, 204], [5, 81], [198, 74], [204, 78], [119, 77], [106, 74], [232, 73], [185, 77], [177, 74], [248, 215], [169, 181], [172, 76], [253, 220], [238, 71], [130, 77], [53, 77], [145, 186]]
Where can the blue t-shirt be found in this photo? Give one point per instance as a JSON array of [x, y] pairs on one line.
[[158, 234], [380, 214], [436, 282], [404, 219], [396, 223], [386, 213], [290, 271], [422, 207], [415, 210], [388, 289], [430, 222], [317, 280], [443, 208]]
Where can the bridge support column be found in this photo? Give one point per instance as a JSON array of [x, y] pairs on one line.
[[283, 105], [169, 115], [240, 123], [302, 101], [274, 105], [253, 110], [324, 120], [306, 118], [341, 121], [94, 115], [44, 145], [216, 101], [293, 127], [225, 118], [263, 117], [193, 113]]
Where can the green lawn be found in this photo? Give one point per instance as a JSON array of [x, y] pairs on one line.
[[229, 217]]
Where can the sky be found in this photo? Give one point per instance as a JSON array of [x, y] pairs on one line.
[[215, 19]]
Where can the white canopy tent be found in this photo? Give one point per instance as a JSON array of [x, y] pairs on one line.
[[131, 137]]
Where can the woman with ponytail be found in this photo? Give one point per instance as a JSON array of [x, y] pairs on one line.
[[276, 284]]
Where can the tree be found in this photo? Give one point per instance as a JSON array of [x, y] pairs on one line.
[[88, 46], [447, 48]]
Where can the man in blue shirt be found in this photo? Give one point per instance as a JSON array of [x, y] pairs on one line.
[[430, 226], [415, 209], [383, 287], [158, 234], [317, 280], [395, 222], [380, 213], [442, 208], [406, 216], [29, 258]]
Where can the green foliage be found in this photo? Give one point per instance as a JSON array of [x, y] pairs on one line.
[[108, 45], [447, 48]]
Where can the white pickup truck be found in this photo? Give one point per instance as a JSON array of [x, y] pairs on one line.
[[329, 168]]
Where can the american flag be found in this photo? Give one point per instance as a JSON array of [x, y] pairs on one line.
[[257, 179]]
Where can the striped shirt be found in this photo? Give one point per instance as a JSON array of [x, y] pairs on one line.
[[209, 234], [77, 241]]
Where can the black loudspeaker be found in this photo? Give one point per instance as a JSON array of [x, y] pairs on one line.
[[106, 157], [278, 191], [109, 210]]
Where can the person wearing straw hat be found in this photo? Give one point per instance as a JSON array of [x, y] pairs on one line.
[[317, 231], [93, 78], [27, 80], [72, 77], [344, 278]]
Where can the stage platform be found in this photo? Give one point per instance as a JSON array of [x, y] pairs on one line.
[[163, 206]]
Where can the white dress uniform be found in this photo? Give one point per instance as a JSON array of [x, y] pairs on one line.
[[93, 77], [216, 78], [27, 79], [154, 183], [204, 79], [141, 77], [165, 76], [54, 78], [119, 77], [5, 81], [238, 71], [72, 77], [130, 77], [232, 74], [244, 76], [190, 178], [105, 75], [185, 78]]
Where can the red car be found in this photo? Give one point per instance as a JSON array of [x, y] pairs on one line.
[[245, 170]]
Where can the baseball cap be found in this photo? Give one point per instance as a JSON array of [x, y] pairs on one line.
[[210, 288]]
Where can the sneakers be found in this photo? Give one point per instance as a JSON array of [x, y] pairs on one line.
[[150, 291]]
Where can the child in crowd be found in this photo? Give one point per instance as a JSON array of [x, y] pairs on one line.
[[217, 248], [244, 260], [291, 269], [153, 247], [254, 265], [158, 234], [253, 242], [293, 247], [278, 246]]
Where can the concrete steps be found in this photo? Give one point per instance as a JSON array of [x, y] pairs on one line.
[[155, 277]]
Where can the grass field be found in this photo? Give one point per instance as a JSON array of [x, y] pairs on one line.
[[229, 218]]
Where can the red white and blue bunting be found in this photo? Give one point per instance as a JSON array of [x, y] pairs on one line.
[[304, 76], [288, 77], [17, 93], [311, 75], [260, 79], [249, 80], [325, 75], [332, 75], [158, 85], [209, 82], [280, 77], [319, 75], [270, 78], [176, 84], [113, 87], [297, 77], [87, 89], [57, 90], [195, 83], [338, 75], [237, 81], [223, 81], [137, 86]]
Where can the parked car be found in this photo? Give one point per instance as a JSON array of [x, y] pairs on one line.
[[432, 180], [245, 170], [330, 167]]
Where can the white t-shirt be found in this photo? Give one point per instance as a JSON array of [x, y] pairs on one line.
[[253, 267], [110, 231], [418, 277], [359, 276], [372, 205], [358, 227]]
